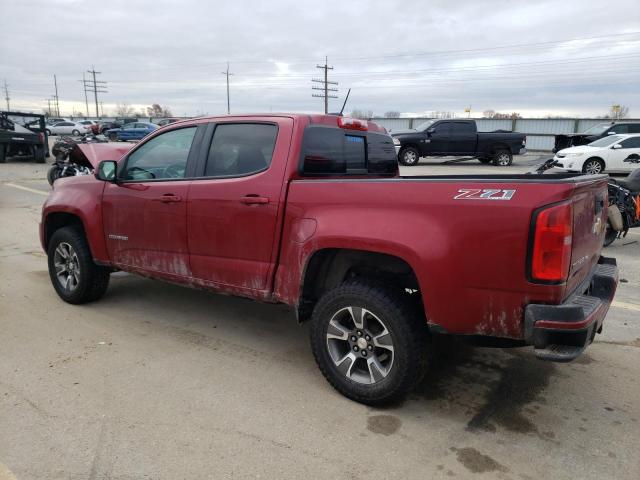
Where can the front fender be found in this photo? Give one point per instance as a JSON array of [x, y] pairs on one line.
[[81, 197]]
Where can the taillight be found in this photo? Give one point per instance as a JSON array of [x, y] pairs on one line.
[[552, 238], [41, 137], [353, 124]]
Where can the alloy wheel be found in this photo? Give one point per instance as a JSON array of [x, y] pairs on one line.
[[67, 266], [593, 167], [360, 345]]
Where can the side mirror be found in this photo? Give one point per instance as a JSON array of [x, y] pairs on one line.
[[430, 131], [617, 146], [106, 171]]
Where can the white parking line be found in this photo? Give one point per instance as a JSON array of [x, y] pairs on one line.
[[27, 189], [626, 306]]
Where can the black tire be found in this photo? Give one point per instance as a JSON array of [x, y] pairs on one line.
[[610, 235], [486, 161], [38, 153], [75, 133], [407, 333], [502, 158], [409, 156], [113, 137], [92, 279], [3, 153], [591, 165]]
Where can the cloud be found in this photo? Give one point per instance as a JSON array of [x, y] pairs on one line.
[[409, 56]]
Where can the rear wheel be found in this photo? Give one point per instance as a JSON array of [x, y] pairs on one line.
[[369, 342], [593, 166], [502, 158], [38, 153], [75, 133], [409, 156], [75, 278]]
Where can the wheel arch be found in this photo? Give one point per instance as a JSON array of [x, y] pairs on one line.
[[595, 157], [327, 268], [56, 220]]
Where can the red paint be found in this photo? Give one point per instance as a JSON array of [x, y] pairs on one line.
[[469, 256]]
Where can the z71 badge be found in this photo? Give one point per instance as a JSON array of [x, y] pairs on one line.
[[484, 194]]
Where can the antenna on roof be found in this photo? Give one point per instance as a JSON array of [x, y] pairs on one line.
[[345, 101]]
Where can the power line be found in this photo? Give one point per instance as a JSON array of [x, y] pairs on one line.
[[6, 95], [228, 101], [99, 86], [325, 86]]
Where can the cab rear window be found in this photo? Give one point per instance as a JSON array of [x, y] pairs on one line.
[[335, 151]]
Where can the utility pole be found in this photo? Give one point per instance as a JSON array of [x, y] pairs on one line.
[[84, 85], [99, 86], [101, 109], [228, 102], [325, 86], [49, 107], [6, 95], [55, 84]]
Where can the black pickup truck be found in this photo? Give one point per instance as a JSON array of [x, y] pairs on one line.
[[23, 134], [443, 138], [594, 133]]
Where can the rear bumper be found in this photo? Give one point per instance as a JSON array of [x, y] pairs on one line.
[[561, 332]]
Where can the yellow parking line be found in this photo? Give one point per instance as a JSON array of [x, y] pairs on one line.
[[27, 189], [626, 306]]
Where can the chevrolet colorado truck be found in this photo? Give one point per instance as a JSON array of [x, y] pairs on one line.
[[444, 138], [309, 211]]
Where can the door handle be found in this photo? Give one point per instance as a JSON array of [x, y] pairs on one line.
[[168, 198], [254, 200]]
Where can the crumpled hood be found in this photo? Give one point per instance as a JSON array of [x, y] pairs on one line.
[[94, 153]]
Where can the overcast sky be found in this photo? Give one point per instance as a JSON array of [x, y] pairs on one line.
[[570, 57]]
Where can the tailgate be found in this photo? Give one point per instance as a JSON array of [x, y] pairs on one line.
[[589, 201]]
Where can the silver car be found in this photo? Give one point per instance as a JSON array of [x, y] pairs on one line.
[[67, 128]]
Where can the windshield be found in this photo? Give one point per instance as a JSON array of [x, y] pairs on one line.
[[597, 129], [606, 141], [423, 126]]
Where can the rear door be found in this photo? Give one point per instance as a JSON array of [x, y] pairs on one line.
[[462, 139], [617, 156], [234, 206], [145, 213]]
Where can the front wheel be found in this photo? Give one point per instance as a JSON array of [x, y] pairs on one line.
[[593, 166], [369, 342], [75, 133], [75, 278], [409, 156]]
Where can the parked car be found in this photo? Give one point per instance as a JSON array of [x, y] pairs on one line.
[[594, 133], [54, 120], [166, 121], [131, 131], [67, 128], [23, 134], [309, 211], [443, 138], [607, 153], [117, 123]]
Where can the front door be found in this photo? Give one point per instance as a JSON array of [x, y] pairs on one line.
[[145, 213], [234, 209], [437, 139], [616, 157]]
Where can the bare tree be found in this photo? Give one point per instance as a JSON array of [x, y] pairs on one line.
[[505, 116], [489, 113], [124, 110], [391, 114], [156, 110], [362, 114], [443, 114]]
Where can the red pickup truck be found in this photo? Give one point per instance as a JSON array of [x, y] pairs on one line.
[[310, 211]]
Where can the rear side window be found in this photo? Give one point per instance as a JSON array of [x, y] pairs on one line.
[[334, 151], [634, 128], [240, 149], [443, 128], [633, 142], [619, 128], [462, 128]]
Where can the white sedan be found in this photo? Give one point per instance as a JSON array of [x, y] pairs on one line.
[[68, 128], [606, 153]]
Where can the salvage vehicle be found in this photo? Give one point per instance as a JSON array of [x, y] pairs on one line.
[[593, 133], [443, 138], [23, 134], [607, 153], [309, 211], [131, 131]]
